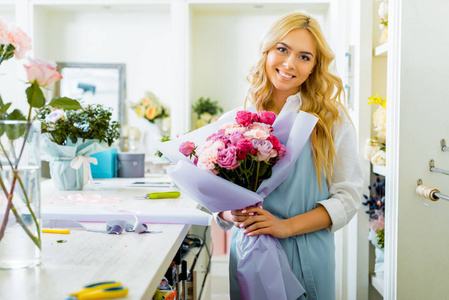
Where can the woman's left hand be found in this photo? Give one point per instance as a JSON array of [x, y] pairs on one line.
[[263, 222]]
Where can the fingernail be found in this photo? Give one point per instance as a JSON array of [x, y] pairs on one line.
[[241, 226], [251, 214], [243, 211]]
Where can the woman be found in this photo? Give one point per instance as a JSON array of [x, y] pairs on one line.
[[322, 192]]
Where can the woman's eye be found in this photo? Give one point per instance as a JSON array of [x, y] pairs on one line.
[[304, 57], [282, 49]]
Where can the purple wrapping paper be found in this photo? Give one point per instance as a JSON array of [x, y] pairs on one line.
[[263, 268]]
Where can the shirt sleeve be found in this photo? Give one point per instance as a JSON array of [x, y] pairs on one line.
[[347, 180], [223, 224]]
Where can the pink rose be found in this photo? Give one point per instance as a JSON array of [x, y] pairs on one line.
[[42, 71], [264, 148], [230, 128], [256, 134], [244, 145], [267, 117], [243, 118], [261, 126], [207, 159], [20, 40], [241, 155], [255, 117], [223, 138], [227, 158], [281, 151], [235, 137], [4, 39], [187, 148], [274, 141]]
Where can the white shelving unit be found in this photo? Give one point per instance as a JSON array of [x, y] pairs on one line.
[[380, 170], [381, 50], [377, 281], [378, 85]]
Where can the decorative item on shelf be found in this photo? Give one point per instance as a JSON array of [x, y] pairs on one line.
[[20, 240], [383, 25], [152, 109], [376, 211], [157, 115], [131, 139], [375, 147], [70, 136], [206, 111]]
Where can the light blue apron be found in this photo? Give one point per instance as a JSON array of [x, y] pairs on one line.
[[310, 255]]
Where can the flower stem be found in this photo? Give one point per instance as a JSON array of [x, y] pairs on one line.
[[257, 176], [10, 205]]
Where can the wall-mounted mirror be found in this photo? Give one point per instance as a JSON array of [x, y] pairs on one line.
[[94, 83]]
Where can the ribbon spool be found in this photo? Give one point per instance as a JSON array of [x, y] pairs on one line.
[[427, 192]]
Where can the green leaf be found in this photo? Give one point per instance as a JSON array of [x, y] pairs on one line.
[[4, 107], [16, 115], [65, 103], [14, 131], [35, 96]]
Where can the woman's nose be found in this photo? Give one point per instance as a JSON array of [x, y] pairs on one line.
[[288, 64]]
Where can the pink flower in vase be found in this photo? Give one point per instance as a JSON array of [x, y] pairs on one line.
[[42, 71], [20, 40]]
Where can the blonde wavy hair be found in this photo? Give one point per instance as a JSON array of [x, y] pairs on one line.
[[320, 93]]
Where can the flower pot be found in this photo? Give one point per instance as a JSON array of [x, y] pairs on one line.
[[20, 173], [64, 176]]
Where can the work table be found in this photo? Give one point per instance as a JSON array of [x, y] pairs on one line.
[[139, 261]]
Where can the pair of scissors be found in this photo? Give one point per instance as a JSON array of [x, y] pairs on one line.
[[100, 290], [161, 195]]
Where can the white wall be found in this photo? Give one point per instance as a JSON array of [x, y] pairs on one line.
[[136, 36], [225, 45]]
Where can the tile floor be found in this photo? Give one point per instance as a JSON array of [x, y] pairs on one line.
[[220, 277]]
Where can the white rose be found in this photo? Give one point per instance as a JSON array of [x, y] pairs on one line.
[[54, 116], [381, 133], [370, 149], [378, 158], [379, 120], [383, 10]]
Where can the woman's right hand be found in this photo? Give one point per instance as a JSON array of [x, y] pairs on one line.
[[239, 216]]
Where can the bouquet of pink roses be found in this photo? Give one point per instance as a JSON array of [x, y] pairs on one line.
[[243, 152], [237, 165]]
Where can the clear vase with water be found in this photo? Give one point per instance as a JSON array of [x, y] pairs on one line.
[[20, 242]]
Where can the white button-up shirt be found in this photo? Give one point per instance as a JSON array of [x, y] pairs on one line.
[[345, 190]]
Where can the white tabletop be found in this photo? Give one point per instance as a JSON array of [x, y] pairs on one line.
[[139, 261]]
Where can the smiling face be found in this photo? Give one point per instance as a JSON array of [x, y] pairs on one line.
[[289, 63]]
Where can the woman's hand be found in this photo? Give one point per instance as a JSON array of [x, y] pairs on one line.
[[263, 222], [239, 216]]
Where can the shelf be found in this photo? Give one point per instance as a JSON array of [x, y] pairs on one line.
[[377, 280], [380, 170], [381, 50]]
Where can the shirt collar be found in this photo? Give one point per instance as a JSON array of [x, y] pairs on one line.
[[293, 103]]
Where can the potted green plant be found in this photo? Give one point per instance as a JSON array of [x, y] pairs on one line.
[[206, 111], [70, 136]]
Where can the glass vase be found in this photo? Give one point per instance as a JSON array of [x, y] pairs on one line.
[[20, 163]]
